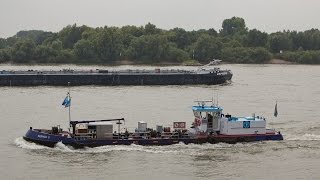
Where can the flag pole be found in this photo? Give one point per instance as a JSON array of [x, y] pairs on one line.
[[70, 102]]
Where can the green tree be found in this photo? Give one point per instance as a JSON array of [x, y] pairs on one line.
[[56, 45], [84, 50], [37, 36], [310, 39], [175, 54], [279, 42], [246, 55], [256, 38], [23, 51], [108, 45], [151, 29], [5, 55], [43, 54], [64, 56], [260, 55], [207, 48], [232, 44], [70, 35], [180, 38], [150, 49], [3, 43], [232, 26], [128, 33]]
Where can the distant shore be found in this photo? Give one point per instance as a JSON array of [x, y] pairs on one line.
[[129, 62], [280, 61], [192, 63]]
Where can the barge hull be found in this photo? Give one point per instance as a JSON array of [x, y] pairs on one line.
[[50, 140], [112, 79]]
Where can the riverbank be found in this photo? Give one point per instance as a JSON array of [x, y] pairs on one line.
[[193, 63], [280, 61], [189, 63], [132, 63]]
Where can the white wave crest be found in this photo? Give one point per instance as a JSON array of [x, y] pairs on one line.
[[129, 148], [20, 142], [61, 147], [181, 148], [305, 137]]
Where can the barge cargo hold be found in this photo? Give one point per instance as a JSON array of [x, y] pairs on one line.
[[114, 78]]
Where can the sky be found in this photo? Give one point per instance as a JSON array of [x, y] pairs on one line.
[[53, 15]]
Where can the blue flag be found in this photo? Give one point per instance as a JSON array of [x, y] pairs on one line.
[[67, 101]]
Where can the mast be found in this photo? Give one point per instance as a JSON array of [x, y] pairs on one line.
[[70, 102]]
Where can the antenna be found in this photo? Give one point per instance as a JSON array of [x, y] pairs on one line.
[[217, 99], [213, 98]]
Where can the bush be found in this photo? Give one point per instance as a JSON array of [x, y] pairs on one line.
[[246, 55], [303, 57]]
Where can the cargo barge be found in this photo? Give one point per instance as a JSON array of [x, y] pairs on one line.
[[114, 78], [210, 125]]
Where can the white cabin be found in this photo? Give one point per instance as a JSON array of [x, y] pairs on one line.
[[210, 119]]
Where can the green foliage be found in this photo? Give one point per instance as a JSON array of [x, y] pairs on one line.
[[3, 43], [232, 44], [256, 38], [232, 26], [70, 35], [150, 29], [5, 55], [56, 45], [246, 55], [180, 38], [150, 48], [303, 57], [207, 48], [148, 44], [23, 51], [260, 55], [64, 56], [84, 50], [279, 42], [44, 53], [35, 35], [108, 44], [176, 55]]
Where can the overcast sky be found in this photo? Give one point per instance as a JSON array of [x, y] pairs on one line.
[[53, 15]]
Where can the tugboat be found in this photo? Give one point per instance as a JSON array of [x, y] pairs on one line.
[[210, 125]]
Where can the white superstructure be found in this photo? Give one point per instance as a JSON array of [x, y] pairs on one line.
[[210, 119]]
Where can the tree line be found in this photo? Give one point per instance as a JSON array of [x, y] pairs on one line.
[[233, 43]]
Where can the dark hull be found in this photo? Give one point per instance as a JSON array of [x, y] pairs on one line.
[[50, 140], [109, 79]]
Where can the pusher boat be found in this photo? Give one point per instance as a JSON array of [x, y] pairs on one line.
[[210, 125]]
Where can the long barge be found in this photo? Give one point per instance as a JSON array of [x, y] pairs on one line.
[[114, 78]]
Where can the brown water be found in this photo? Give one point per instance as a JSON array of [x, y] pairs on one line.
[[254, 89]]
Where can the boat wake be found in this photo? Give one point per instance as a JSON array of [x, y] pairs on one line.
[[305, 137], [190, 149], [20, 142]]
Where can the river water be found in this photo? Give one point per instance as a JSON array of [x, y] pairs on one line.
[[254, 89]]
